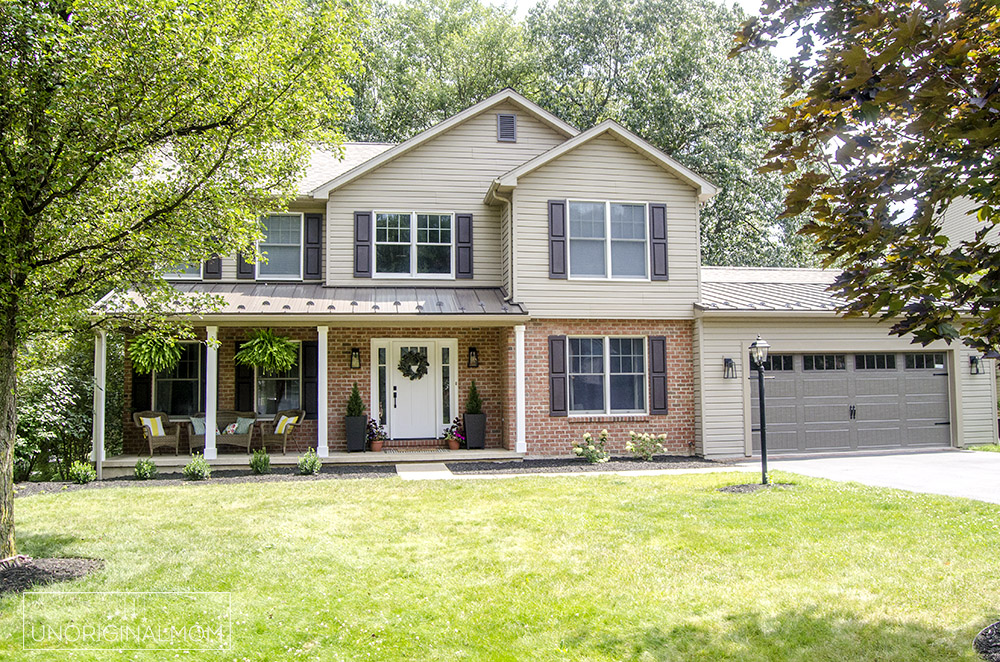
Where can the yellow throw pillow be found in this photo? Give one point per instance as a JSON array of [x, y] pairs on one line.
[[154, 425], [284, 422]]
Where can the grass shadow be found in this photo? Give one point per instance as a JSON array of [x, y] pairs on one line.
[[43, 545]]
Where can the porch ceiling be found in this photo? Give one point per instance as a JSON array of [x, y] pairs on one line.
[[303, 299]]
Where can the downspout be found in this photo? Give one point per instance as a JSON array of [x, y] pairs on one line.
[[510, 213]]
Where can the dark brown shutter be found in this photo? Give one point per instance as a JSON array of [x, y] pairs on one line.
[[463, 245], [310, 378], [313, 246], [362, 244], [212, 269], [558, 376], [658, 375], [142, 391], [658, 242], [244, 270], [557, 239], [244, 386]]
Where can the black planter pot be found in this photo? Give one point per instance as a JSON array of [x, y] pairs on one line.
[[987, 643], [357, 433], [475, 430]]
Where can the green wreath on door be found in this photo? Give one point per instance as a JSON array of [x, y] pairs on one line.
[[413, 364]]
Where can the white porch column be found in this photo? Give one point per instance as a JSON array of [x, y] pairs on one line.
[[521, 443], [100, 398], [212, 390], [322, 399]]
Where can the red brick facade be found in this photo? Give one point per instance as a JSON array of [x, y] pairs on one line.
[[495, 378], [554, 435]]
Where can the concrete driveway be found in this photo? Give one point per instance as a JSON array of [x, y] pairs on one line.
[[969, 474]]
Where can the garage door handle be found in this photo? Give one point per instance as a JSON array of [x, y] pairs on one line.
[[853, 412], [944, 423], [940, 374]]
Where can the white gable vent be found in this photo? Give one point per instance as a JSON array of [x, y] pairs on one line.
[[506, 128]]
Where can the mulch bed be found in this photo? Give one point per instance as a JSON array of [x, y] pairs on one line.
[[574, 464], [29, 573], [752, 487], [279, 474], [987, 643]]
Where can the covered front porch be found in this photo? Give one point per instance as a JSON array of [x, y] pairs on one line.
[[362, 345]]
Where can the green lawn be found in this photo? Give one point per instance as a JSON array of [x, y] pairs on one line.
[[542, 568], [992, 448]]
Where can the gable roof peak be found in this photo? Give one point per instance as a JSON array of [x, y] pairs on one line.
[[505, 95]]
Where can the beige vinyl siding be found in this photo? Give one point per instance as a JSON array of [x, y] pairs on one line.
[[450, 173], [979, 401], [605, 169], [726, 402], [959, 222]]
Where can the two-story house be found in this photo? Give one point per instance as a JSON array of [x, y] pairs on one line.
[[560, 270]]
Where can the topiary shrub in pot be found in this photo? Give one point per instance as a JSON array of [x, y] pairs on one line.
[[356, 422], [475, 419]]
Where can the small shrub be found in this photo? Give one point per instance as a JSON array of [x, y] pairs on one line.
[[644, 445], [593, 451], [310, 464], [198, 468], [145, 469], [82, 473], [260, 462], [355, 405], [474, 405]]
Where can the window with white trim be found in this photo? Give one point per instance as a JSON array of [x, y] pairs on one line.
[[178, 392], [414, 244], [282, 245], [184, 272], [607, 375], [277, 392], [607, 234]]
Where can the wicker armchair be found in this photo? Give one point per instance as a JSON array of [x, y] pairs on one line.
[[267, 429], [171, 437], [223, 418]]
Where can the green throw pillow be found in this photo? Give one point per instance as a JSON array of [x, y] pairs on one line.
[[198, 424], [243, 425]]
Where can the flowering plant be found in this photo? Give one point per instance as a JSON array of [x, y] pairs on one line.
[[593, 451], [644, 445], [376, 432], [456, 431]]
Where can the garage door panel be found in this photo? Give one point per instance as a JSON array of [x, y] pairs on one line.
[[894, 406]]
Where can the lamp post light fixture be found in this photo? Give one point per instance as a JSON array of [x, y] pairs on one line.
[[758, 356]]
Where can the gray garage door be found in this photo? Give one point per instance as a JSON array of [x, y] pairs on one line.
[[844, 402]]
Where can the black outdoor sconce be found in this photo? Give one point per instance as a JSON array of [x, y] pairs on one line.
[[975, 365], [728, 369], [473, 357], [355, 358]]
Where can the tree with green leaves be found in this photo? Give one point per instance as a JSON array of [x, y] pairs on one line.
[[426, 60], [896, 115], [661, 68], [140, 135]]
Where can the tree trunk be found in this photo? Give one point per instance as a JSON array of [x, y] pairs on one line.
[[8, 429]]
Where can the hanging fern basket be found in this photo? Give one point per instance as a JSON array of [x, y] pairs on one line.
[[268, 352], [413, 365], [154, 352]]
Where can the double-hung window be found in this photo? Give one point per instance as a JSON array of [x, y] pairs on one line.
[[607, 240], [414, 244], [282, 245], [178, 392], [277, 392], [607, 375], [184, 272]]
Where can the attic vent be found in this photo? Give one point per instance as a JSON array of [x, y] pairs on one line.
[[507, 128]]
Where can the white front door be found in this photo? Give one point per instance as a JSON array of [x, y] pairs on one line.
[[413, 402]]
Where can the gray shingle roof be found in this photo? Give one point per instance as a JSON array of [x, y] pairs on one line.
[[316, 299], [744, 288], [325, 165]]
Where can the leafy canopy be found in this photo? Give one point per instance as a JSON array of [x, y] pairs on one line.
[[896, 115]]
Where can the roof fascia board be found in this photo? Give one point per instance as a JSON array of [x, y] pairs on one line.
[[507, 95], [356, 319], [704, 187]]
